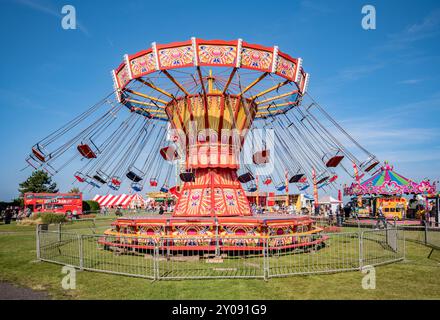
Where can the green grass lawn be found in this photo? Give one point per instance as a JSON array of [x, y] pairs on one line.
[[414, 278]]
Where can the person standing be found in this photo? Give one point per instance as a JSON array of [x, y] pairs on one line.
[[8, 215], [338, 216], [381, 219], [161, 210], [330, 215], [28, 212]]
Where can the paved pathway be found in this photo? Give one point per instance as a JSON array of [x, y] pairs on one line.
[[9, 291]]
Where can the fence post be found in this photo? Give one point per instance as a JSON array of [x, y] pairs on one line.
[[81, 253], [156, 259], [59, 232], [37, 236], [266, 258], [404, 243], [361, 254], [426, 232], [437, 213]]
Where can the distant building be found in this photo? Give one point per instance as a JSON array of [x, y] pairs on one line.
[[159, 196], [269, 199]]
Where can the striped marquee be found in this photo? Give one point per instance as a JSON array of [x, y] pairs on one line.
[[122, 200]]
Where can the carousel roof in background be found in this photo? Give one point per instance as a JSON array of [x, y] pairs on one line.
[[388, 182]]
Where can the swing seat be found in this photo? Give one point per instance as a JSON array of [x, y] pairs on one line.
[[136, 186], [322, 177], [103, 175], [153, 182], [267, 181], [332, 162], [79, 176], [116, 181], [134, 174], [246, 177], [113, 187], [34, 163], [94, 184], [296, 178], [40, 153], [169, 153], [252, 188], [333, 178], [369, 164], [100, 179], [88, 151], [323, 185], [187, 176], [281, 187], [175, 190], [303, 187], [164, 189], [261, 157]]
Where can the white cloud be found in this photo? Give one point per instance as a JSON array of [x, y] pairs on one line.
[[410, 81], [429, 27]]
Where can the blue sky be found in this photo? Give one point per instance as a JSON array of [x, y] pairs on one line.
[[382, 85]]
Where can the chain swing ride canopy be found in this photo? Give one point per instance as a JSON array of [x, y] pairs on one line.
[[204, 89]]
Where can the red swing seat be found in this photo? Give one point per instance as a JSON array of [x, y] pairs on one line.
[[79, 176], [116, 181], [369, 164], [332, 159], [153, 182], [86, 151], [39, 153]]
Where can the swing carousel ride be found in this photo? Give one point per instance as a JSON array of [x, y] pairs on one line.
[[386, 189], [222, 113]]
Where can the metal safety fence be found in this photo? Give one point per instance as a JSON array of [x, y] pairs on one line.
[[221, 257], [423, 234]]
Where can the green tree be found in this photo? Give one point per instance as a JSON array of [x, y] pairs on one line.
[[38, 182], [74, 190]]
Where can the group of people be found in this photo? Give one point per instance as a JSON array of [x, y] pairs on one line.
[[337, 215], [15, 213], [158, 207], [151, 208], [257, 209]]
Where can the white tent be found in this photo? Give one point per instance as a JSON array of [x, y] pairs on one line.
[[329, 200], [125, 201]]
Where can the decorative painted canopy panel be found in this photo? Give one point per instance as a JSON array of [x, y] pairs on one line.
[[151, 79], [389, 182]]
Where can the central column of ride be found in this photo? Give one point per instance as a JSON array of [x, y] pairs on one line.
[[211, 129]]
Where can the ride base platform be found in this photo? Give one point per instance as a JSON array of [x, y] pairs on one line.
[[195, 234]]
